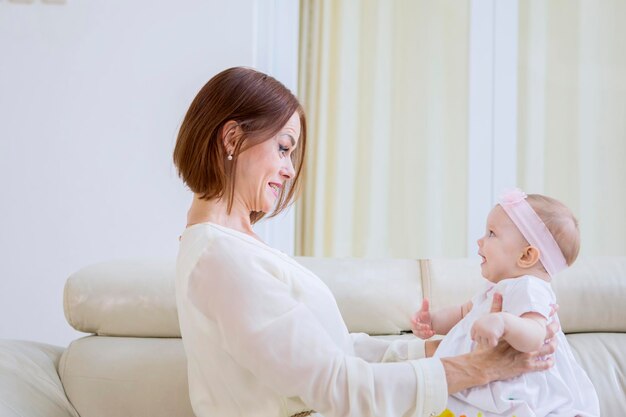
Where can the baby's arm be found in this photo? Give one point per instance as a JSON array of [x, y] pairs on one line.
[[525, 333], [426, 324]]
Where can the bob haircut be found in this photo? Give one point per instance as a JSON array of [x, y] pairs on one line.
[[261, 106]]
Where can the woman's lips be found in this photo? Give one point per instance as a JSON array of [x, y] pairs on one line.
[[275, 188]]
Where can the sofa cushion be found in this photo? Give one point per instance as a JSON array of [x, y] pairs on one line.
[[603, 357], [136, 298], [590, 294], [374, 296], [120, 376], [123, 298], [29, 383], [450, 282]]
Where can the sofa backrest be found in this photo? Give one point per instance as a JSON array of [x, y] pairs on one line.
[[136, 298], [591, 293]]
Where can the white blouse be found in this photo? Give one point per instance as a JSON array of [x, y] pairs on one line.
[[264, 337]]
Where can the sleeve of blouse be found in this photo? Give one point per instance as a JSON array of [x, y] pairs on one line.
[[381, 350], [281, 342]]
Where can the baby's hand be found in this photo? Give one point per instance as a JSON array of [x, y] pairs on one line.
[[421, 322], [488, 330]]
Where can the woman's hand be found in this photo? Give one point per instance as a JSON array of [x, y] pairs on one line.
[[501, 362], [504, 362]]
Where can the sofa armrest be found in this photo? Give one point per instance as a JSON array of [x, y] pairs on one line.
[[29, 381]]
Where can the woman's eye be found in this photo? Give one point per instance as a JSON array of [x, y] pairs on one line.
[[283, 149], [491, 234]]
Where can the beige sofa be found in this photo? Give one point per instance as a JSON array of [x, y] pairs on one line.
[[133, 362]]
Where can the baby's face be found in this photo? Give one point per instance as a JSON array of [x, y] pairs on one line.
[[500, 247]]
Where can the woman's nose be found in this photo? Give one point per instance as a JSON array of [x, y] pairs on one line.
[[287, 171], [480, 242]]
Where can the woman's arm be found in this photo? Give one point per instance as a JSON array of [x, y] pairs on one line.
[[287, 348], [502, 362], [430, 346], [374, 349]]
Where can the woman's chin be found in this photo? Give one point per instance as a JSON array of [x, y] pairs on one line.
[[267, 207]]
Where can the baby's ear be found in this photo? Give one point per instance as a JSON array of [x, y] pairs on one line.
[[529, 257]]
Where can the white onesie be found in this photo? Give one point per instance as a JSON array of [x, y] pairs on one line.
[[562, 391]]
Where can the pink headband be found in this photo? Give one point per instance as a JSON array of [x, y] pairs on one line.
[[534, 230]]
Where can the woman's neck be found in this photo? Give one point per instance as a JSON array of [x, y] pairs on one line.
[[216, 211]]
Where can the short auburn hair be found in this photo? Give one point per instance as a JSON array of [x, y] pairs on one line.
[[261, 106], [561, 223]]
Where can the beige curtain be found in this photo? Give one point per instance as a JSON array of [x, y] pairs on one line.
[[572, 113], [385, 87]]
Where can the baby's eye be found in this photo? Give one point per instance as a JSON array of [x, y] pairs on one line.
[[491, 234]]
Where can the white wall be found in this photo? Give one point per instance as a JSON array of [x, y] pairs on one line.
[[91, 98]]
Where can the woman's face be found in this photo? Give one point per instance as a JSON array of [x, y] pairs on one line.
[[263, 169]]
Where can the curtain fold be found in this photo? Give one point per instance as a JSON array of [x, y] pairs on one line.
[[385, 88], [572, 108]]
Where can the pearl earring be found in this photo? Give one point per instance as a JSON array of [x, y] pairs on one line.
[[230, 157]]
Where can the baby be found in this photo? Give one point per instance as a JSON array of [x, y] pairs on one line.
[[528, 239]]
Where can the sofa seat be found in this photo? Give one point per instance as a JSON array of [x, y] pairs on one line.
[[29, 381], [132, 376], [147, 376]]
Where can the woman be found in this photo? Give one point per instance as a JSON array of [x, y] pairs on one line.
[[262, 334]]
